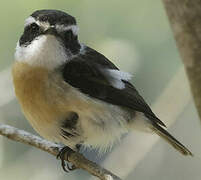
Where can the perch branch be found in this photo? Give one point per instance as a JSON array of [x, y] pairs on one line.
[[74, 157]]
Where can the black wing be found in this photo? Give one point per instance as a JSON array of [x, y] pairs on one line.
[[85, 73]]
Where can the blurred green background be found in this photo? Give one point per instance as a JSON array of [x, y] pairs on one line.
[[136, 36]]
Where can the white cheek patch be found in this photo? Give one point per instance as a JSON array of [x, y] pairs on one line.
[[115, 77], [44, 51], [62, 27]]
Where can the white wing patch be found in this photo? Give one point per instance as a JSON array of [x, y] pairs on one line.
[[115, 77]]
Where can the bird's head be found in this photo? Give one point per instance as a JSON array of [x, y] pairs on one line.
[[49, 39]]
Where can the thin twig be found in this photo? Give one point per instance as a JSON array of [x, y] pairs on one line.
[[74, 157]]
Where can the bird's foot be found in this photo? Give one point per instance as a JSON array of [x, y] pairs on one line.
[[65, 152]]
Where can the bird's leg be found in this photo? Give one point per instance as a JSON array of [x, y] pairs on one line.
[[61, 155], [65, 151]]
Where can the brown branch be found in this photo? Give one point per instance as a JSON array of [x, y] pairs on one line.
[[74, 157], [185, 19]]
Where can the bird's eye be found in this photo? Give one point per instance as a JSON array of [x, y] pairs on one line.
[[34, 27], [30, 33]]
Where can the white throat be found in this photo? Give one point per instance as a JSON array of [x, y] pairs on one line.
[[44, 51]]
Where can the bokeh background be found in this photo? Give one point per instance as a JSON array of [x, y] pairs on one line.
[[136, 36]]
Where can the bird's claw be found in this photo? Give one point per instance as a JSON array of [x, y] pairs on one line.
[[65, 152]]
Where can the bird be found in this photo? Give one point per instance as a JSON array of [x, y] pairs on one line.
[[71, 93]]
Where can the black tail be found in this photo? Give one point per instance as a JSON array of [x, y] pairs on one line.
[[171, 140]]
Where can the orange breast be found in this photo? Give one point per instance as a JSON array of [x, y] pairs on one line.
[[29, 83], [38, 101]]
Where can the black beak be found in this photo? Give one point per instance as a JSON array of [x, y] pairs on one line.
[[51, 31]]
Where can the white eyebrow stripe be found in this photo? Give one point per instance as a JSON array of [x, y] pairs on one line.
[[45, 25], [29, 21], [62, 27]]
